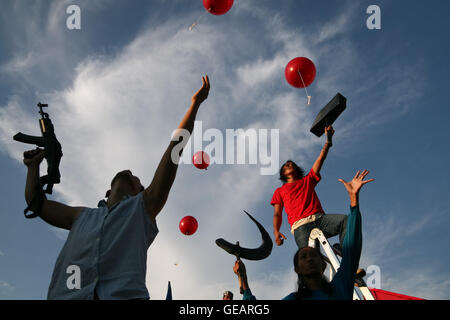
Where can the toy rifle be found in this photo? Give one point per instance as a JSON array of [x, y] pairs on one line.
[[53, 154]]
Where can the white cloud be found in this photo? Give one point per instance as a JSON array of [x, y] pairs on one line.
[[120, 113], [6, 289], [20, 63], [337, 26], [420, 283]]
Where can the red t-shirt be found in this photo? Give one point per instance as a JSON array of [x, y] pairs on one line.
[[299, 198]]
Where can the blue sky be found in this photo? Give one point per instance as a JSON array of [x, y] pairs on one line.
[[118, 87]]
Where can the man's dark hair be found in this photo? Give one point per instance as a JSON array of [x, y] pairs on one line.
[[228, 293], [300, 173], [114, 179], [303, 291], [117, 176]]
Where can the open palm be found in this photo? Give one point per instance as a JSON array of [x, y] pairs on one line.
[[357, 182]]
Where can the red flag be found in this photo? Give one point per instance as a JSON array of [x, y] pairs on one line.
[[386, 295]]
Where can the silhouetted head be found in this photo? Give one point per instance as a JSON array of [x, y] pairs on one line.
[[309, 261], [291, 168], [126, 182], [227, 295]]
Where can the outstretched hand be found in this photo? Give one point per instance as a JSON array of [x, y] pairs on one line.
[[203, 92], [355, 185]]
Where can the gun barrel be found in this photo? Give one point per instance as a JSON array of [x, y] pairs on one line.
[[24, 138]]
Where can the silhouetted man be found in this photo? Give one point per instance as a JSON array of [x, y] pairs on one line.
[[105, 254]]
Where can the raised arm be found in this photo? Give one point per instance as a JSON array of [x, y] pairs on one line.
[[329, 131], [52, 212], [155, 196], [352, 245], [241, 272]]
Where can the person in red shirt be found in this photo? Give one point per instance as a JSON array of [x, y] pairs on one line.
[[299, 199]]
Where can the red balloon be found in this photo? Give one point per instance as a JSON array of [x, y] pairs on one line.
[[305, 67], [201, 160], [218, 7], [188, 225]]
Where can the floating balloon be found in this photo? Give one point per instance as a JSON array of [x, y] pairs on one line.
[[188, 225], [201, 160], [300, 72], [218, 7]]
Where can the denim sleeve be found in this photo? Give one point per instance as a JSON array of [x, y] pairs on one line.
[[344, 280], [248, 295]]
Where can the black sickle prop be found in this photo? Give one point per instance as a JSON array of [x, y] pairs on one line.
[[260, 253]]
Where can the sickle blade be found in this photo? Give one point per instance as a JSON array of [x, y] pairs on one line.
[[260, 253]]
